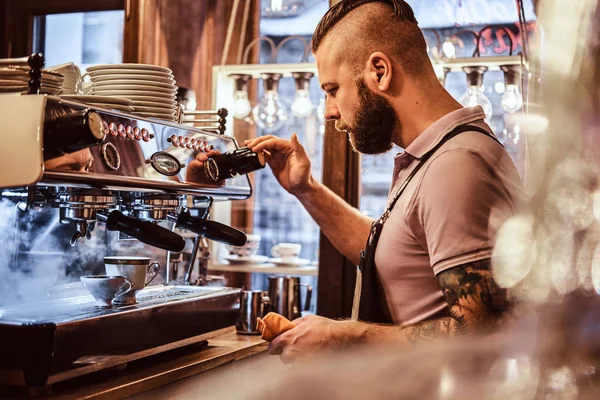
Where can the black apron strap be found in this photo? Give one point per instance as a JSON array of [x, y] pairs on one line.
[[371, 304]]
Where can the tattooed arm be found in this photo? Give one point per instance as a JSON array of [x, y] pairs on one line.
[[475, 302], [476, 305]]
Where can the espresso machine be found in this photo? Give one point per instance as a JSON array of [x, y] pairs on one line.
[[105, 174]]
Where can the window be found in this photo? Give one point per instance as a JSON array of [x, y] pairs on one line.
[[279, 216], [85, 38]]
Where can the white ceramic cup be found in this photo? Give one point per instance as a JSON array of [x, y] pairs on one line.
[[105, 288], [249, 249], [133, 268], [286, 251]]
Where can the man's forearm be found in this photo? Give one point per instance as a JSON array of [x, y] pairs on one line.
[[343, 224], [374, 334], [424, 332]]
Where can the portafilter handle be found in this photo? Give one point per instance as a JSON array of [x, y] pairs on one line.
[[209, 229], [145, 232]]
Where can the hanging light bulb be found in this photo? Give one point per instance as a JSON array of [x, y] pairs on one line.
[[448, 49], [474, 95], [302, 107], [512, 100], [270, 114], [276, 5], [241, 106]]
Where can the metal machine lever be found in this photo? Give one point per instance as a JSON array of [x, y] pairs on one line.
[[146, 232], [209, 229]]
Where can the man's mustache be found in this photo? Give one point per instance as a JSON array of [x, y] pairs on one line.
[[341, 125]]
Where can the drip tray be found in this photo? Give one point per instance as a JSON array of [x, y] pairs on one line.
[[165, 293], [43, 340], [82, 307]]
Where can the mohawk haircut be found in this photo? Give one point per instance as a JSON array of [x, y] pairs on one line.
[[389, 26], [402, 12]]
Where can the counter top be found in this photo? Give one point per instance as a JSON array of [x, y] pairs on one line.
[[265, 268], [160, 369]]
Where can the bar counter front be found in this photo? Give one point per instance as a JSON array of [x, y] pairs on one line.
[[192, 369]]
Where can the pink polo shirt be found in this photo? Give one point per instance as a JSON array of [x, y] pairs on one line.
[[447, 216]]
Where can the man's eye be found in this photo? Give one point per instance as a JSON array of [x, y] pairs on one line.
[[331, 92]]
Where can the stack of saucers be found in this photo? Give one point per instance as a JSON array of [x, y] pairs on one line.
[[72, 74], [151, 88], [110, 102], [15, 80]]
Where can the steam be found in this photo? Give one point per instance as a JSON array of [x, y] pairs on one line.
[[36, 257]]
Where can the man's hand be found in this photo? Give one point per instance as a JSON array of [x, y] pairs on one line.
[[312, 335], [288, 161], [195, 170]]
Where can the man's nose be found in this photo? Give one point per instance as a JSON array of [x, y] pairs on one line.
[[331, 111]]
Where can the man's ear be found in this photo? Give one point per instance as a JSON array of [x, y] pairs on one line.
[[379, 70]]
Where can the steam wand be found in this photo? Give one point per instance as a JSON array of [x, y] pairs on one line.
[[81, 231], [198, 241], [168, 262], [205, 229]]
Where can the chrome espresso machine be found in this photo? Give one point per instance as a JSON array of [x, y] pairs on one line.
[[103, 175]]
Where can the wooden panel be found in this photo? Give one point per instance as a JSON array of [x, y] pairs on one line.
[[40, 7], [154, 371], [187, 36], [337, 275], [5, 26]]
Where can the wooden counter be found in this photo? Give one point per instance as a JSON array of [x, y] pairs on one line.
[[158, 370]]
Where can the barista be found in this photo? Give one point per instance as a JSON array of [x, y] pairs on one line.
[[427, 269]]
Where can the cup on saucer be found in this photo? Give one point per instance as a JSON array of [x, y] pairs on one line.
[[105, 288], [135, 269], [287, 252], [248, 250]]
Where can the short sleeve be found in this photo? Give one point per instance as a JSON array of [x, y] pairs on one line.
[[456, 208]]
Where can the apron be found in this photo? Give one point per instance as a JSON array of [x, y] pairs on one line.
[[369, 303]]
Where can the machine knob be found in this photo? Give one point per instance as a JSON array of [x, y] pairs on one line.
[[238, 162], [112, 128], [72, 133]]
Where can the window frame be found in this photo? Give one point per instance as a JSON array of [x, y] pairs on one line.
[[19, 16]]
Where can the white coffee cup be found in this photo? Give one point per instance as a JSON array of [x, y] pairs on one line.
[[135, 269], [249, 249], [286, 251], [105, 288]]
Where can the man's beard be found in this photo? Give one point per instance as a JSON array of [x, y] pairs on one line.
[[374, 122]]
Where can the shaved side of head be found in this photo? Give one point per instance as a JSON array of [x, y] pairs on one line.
[[354, 29]]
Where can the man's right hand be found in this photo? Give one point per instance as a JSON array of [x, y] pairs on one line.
[[288, 161]]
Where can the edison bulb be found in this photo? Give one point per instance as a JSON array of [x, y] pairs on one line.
[[474, 97], [270, 114], [302, 107], [448, 49], [242, 106], [512, 101]]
